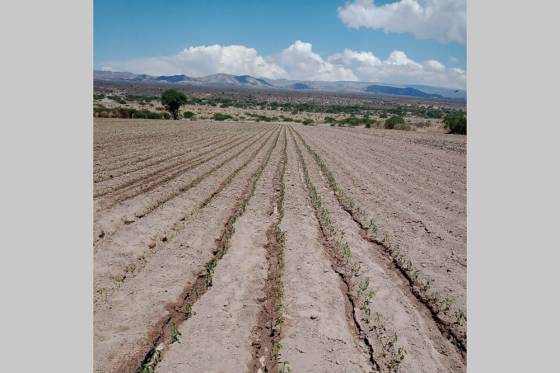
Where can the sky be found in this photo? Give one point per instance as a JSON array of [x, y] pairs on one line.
[[400, 42]]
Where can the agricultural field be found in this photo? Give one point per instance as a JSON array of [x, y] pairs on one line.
[[277, 247]]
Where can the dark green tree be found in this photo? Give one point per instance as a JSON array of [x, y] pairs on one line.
[[172, 100], [456, 123]]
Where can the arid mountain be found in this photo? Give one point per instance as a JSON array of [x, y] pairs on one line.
[[228, 80]]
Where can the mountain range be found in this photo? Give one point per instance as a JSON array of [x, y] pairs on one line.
[[228, 80]]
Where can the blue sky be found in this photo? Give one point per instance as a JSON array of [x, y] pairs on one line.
[[132, 34]]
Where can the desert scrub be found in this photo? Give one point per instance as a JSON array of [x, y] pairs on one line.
[[188, 115], [394, 121], [221, 116], [456, 123]]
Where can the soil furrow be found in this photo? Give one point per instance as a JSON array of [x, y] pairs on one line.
[[427, 349], [132, 212], [124, 267], [414, 287], [440, 258], [178, 167], [142, 305], [267, 333], [318, 332], [335, 258], [155, 159], [182, 310]]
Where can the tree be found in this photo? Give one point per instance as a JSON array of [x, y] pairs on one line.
[[173, 100], [456, 123]]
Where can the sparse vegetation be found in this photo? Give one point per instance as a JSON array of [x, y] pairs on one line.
[[127, 113], [221, 116]]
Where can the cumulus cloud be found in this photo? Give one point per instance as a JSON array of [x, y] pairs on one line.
[[205, 60], [398, 68], [297, 62], [300, 62], [444, 20]]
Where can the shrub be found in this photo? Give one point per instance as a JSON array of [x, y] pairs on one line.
[[402, 126], [127, 113], [188, 115], [173, 100], [307, 122], [221, 116], [394, 120], [117, 99], [456, 123]]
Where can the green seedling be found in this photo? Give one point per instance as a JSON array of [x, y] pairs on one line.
[[175, 333]]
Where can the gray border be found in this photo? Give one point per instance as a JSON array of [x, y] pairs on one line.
[[46, 190], [513, 186]]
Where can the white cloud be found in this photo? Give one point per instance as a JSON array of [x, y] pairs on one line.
[[205, 60], [301, 62], [399, 68], [444, 20], [297, 62]]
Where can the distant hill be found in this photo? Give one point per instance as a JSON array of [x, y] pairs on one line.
[[174, 78], [228, 80], [397, 91], [300, 86]]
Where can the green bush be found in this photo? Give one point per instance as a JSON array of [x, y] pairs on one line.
[[220, 116], [394, 120], [456, 123], [173, 100], [188, 115], [307, 121]]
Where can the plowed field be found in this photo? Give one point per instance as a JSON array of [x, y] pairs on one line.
[[263, 247]]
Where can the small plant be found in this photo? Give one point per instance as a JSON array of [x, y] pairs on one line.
[[363, 286], [175, 333], [396, 358], [372, 227], [188, 311], [285, 367], [149, 364]]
